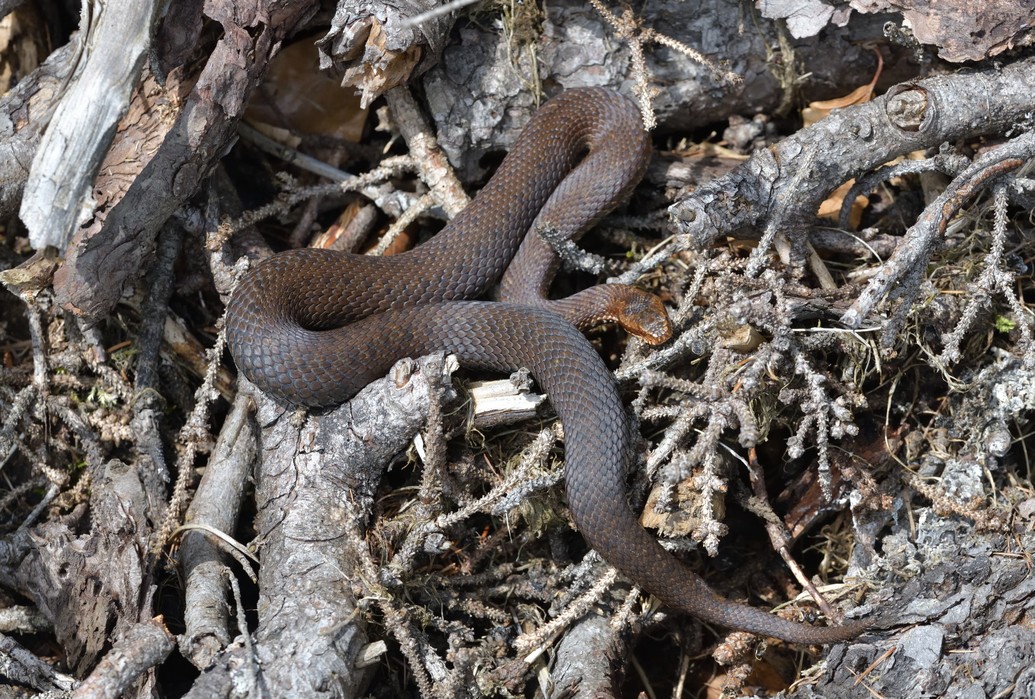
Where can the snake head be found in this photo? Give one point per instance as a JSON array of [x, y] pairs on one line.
[[642, 314]]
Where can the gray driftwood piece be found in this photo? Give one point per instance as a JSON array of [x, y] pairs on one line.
[[780, 189], [96, 585], [114, 37], [216, 505], [114, 248], [315, 483], [482, 88], [962, 608], [376, 47], [588, 662], [959, 30], [36, 95]]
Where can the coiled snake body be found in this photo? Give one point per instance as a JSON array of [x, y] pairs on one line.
[[312, 327]]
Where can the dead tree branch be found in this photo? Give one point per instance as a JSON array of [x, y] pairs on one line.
[[114, 246], [780, 190]]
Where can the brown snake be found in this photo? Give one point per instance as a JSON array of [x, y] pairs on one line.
[[313, 327]]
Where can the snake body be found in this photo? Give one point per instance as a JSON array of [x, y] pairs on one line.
[[312, 327]]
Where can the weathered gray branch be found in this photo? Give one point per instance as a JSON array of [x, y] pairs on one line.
[[114, 248], [114, 38], [216, 505], [782, 188]]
